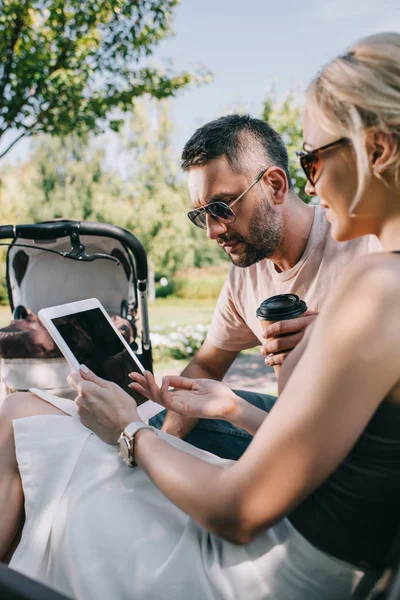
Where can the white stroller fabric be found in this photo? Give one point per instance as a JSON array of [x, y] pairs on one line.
[[46, 373], [50, 279], [97, 530]]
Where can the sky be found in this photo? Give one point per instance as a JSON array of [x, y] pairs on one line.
[[251, 46]]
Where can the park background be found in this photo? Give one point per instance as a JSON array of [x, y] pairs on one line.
[[94, 132]]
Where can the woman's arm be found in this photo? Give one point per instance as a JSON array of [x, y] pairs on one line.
[[349, 366]]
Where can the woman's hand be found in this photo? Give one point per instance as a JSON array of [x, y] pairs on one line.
[[201, 398], [103, 406]]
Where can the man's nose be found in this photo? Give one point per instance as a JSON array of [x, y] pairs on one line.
[[310, 189], [214, 228]]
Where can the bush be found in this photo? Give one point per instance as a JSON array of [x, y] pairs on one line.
[[3, 291], [200, 284], [162, 291], [180, 343]]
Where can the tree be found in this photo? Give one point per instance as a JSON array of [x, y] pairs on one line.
[[71, 177], [76, 65], [67, 178], [154, 200], [286, 117]]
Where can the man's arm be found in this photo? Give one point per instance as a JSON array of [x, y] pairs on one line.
[[209, 362]]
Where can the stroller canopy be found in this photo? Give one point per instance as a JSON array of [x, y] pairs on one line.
[[38, 279]]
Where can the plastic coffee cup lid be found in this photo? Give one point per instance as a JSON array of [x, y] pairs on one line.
[[281, 307]]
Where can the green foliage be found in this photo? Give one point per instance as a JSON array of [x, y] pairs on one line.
[[163, 291], [153, 199], [66, 65], [194, 284], [286, 118], [70, 177], [3, 284], [3, 291], [200, 284], [67, 179]]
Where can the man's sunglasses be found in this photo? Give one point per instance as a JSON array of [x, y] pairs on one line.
[[310, 161], [219, 211]]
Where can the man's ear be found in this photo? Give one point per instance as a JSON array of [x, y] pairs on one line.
[[275, 178], [380, 147]]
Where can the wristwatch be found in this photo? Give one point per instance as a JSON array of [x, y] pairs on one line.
[[126, 441]]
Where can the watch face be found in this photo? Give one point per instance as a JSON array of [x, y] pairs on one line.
[[124, 448]]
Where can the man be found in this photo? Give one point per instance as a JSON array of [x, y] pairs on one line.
[[277, 244]]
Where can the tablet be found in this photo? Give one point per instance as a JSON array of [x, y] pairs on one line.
[[85, 334]]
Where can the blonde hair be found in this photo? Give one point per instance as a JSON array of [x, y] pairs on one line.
[[360, 92]]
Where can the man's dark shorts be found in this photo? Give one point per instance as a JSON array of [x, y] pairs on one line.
[[220, 437]]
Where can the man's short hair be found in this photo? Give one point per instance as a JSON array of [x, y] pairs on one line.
[[247, 143]]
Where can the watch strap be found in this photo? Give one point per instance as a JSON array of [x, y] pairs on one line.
[[127, 441]]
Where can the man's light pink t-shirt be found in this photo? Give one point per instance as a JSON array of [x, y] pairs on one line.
[[235, 326]]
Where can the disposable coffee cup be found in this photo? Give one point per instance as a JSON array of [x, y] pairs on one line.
[[280, 308]]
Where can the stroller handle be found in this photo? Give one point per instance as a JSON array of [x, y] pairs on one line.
[[57, 229], [7, 232]]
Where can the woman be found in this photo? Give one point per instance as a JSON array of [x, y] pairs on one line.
[[314, 500]]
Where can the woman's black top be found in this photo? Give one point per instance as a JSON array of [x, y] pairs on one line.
[[355, 514]]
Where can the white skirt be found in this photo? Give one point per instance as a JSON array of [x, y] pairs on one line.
[[97, 530]]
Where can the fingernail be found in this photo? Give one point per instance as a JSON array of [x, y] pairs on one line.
[[84, 368], [163, 380]]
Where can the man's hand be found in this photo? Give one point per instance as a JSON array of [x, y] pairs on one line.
[[281, 337], [103, 406], [193, 398]]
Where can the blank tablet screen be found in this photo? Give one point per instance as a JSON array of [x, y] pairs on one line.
[[95, 344]]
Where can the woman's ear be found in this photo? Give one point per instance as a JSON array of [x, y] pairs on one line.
[[380, 147], [276, 179]]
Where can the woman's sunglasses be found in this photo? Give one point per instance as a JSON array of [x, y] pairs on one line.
[[311, 161], [219, 211]]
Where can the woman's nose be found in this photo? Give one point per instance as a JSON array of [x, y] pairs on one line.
[[310, 189]]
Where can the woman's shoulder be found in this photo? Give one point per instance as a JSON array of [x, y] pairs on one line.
[[380, 272], [366, 299]]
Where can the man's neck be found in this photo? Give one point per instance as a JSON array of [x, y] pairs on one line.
[[298, 222]]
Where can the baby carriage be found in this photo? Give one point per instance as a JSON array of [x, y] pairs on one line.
[[63, 261]]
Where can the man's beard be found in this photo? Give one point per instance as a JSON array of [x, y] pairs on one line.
[[264, 236]]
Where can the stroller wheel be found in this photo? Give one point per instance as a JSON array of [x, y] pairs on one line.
[[20, 312]]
